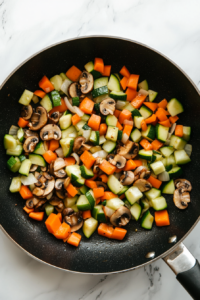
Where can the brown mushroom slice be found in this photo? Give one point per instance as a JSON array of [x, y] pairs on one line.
[[59, 184], [48, 197], [133, 152], [142, 172], [50, 132], [73, 219], [38, 119], [119, 161], [47, 175], [32, 202], [66, 182], [51, 167], [60, 173], [126, 148], [26, 112], [143, 185], [59, 163], [127, 178], [86, 81], [28, 133], [96, 168], [120, 217], [110, 158], [49, 187], [43, 169], [74, 90], [54, 117], [30, 143], [78, 143], [60, 194], [181, 199], [58, 204], [38, 191], [102, 184], [40, 206], [184, 184], [107, 106], [33, 168]]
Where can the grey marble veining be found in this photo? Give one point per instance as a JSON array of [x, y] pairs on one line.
[[173, 28]]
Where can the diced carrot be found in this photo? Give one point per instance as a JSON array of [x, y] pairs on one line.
[[61, 108], [162, 218], [118, 233], [74, 239], [124, 82], [60, 216], [86, 214], [124, 115], [94, 122], [156, 145], [104, 178], [119, 126], [28, 210], [117, 113], [98, 192], [38, 216], [90, 183], [138, 162], [75, 119], [154, 182], [87, 106], [72, 190], [133, 81], [166, 123], [103, 129], [125, 72], [52, 223], [146, 145], [131, 94], [127, 129], [63, 231], [99, 65], [122, 196], [179, 130], [49, 156], [130, 165], [94, 177], [163, 110], [138, 100], [98, 200], [53, 145], [39, 93], [107, 167], [69, 161], [163, 103], [25, 192], [87, 159], [161, 115], [73, 73], [173, 119], [106, 71], [46, 84], [108, 196], [22, 123], [105, 230], [143, 125], [151, 105], [151, 119]]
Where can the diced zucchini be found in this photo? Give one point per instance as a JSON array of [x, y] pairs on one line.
[[102, 139], [174, 107], [136, 135], [152, 95], [147, 220], [157, 155], [84, 189], [157, 167], [20, 134], [136, 210], [86, 173], [102, 81], [143, 85], [39, 149], [69, 202], [89, 226], [37, 160], [114, 185], [114, 84], [83, 203], [67, 146], [159, 203], [146, 154], [162, 133], [109, 146], [129, 106], [177, 142], [63, 76], [85, 117], [100, 91], [98, 213], [133, 194], [69, 132], [94, 137], [167, 151], [150, 133], [15, 185], [25, 167], [14, 164], [168, 188], [16, 152], [153, 193], [112, 133], [170, 160], [118, 95], [114, 203], [65, 121], [49, 209], [136, 113], [175, 172], [186, 133], [181, 157], [35, 99], [95, 149], [9, 142], [125, 188], [57, 82], [90, 196], [111, 120], [26, 97], [46, 103], [137, 121], [90, 68], [145, 112]]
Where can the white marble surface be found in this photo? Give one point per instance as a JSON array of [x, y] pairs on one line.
[[172, 27]]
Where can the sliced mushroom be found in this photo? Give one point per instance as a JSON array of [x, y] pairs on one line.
[[39, 118], [107, 106], [43, 169], [133, 152], [96, 168], [102, 184], [40, 206], [181, 199], [51, 167], [57, 203], [59, 163], [74, 90], [50, 132], [142, 172], [48, 197], [32, 202], [118, 161], [49, 187], [33, 168], [78, 145], [143, 185], [120, 217], [26, 112], [126, 148], [184, 184], [59, 184], [127, 178], [30, 143], [47, 175], [28, 133], [60, 173], [110, 158], [60, 194], [73, 219], [86, 81], [66, 182], [54, 117], [38, 191]]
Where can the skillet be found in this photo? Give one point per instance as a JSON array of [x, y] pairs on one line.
[[99, 255]]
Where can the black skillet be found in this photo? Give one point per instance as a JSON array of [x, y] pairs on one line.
[[99, 255]]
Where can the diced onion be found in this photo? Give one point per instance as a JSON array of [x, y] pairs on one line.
[[172, 129], [13, 130], [127, 122], [65, 85], [76, 158], [78, 111], [143, 92], [120, 104], [108, 211], [86, 134], [59, 152], [101, 154], [28, 180], [188, 149], [125, 138], [164, 176], [69, 106]]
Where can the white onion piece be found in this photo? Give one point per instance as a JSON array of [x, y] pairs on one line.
[[120, 104], [164, 176], [172, 129], [127, 122], [69, 106], [78, 111], [28, 180], [143, 92], [101, 154], [13, 130], [86, 134], [188, 149], [108, 211], [125, 138], [65, 85], [59, 152], [76, 158]]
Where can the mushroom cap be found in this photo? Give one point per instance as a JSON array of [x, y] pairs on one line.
[[127, 178], [78, 143], [101, 184], [50, 132], [30, 203], [30, 143], [184, 184], [33, 168], [28, 133], [107, 106], [119, 161], [60, 173], [60, 194], [57, 203], [86, 81], [54, 117], [49, 187], [38, 191], [143, 185], [74, 90], [181, 199], [38, 119], [26, 112], [59, 184], [126, 148], [120, 217], [59, 163], [66, 182], [141, 172], [73, 219], [133, 152], [40, 206]]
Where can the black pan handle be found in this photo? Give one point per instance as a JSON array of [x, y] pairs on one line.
[[187, 269]]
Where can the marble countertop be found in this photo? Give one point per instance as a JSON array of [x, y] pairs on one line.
[[172, 27]]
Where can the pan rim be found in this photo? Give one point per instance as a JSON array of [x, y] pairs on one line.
[[196, 88]]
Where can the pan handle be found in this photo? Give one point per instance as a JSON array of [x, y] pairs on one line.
[[187, 269]]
